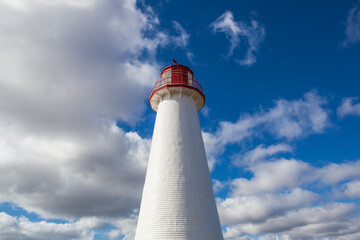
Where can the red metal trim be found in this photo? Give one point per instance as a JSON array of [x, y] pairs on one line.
[[176, 85], [182, 66], [165, 70], [169, 81]]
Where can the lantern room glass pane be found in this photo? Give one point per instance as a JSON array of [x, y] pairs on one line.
[[166, 77], [190, 78]]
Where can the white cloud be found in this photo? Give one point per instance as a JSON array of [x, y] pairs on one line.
[[69, 70], [260, 153], [288, 120], [124, 227], [348, 107], [352, 26], [280, 200], [22, 228], [243, 209], [351, 236], [308, 222], [183, 38], [63, 67], [335, 173], [352, 189], [254, 34], [273, 176], [71, 177], [234, 232], [218, 185], [26, 5], [275, 237], [274, 200], [330, 221]]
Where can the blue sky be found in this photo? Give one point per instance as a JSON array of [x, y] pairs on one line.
[[280, 126]]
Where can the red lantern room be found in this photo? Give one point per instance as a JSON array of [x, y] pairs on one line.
[[176, 80]]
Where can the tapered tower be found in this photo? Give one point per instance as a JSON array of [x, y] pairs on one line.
[[178, 201]]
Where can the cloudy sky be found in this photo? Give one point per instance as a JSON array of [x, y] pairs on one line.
[[281, 124]]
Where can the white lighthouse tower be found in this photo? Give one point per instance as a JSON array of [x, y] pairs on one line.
[[178, 201]]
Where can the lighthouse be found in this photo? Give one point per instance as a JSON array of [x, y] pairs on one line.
[[178, 201]]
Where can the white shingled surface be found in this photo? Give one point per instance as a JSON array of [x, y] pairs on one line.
[[178, 201]]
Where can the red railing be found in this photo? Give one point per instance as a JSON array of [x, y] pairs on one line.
[[168, 81]]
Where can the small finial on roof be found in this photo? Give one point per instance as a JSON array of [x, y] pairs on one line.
[[175, 62]]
